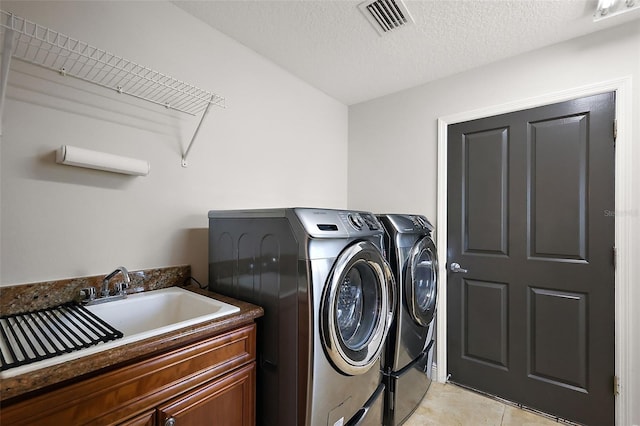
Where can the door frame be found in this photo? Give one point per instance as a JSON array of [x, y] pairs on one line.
[[626, 202]]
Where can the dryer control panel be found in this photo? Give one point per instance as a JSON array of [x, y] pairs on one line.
[[409, 224], [422, 222]]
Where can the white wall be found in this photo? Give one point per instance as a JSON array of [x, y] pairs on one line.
[[280, 142], [406, 122]]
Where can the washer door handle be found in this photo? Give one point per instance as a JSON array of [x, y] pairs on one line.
[[456, 268]]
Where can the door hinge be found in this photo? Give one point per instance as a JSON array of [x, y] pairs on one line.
[[616, 385], [615, 131]]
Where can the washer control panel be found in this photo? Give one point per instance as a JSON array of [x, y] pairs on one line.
[[338, 223], [362, 221]]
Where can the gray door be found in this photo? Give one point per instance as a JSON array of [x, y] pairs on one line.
[[530, 201]]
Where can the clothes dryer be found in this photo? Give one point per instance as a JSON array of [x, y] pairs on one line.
[[409, 354], [327, 293]]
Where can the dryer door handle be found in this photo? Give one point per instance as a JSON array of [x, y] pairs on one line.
[[456, 268]]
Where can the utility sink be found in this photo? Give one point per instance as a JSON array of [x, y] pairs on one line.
[[140, 316], [150, 313]]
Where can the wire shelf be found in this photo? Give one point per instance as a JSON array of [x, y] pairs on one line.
[[50, 49]]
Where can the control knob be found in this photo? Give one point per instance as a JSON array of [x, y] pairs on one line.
[[356, 221]]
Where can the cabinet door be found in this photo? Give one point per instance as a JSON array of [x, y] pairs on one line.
[[145, 419], [229, 401]]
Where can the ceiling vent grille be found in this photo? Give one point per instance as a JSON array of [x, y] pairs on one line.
[[386, 15]]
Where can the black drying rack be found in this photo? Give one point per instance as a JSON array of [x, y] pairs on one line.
[[46, 333]]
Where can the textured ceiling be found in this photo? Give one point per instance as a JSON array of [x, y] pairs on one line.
[[331, 45]]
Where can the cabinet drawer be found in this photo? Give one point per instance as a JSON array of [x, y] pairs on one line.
[[125, 392]]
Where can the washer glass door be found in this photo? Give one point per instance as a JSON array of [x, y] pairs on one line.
[[357, 308], [421, 281]]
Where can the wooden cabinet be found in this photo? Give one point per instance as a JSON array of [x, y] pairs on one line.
[[211, 381]]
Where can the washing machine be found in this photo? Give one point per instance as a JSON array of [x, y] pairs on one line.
[[328, 297], [408, 357]]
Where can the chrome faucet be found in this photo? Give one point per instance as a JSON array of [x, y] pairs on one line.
[[88, 295], [121, 286]]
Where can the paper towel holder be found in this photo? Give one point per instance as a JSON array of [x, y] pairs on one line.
[[80, 157]]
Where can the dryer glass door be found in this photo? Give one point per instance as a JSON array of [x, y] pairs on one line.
[[357, 308], [421, 281]]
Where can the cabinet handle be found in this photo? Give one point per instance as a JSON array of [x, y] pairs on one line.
[[170, 422]]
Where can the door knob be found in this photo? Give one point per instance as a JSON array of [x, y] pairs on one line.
[[455, 267]]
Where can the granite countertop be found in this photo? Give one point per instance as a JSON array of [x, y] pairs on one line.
[[23, 385]]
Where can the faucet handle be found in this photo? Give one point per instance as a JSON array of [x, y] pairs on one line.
[[120, 287], [87, 294]]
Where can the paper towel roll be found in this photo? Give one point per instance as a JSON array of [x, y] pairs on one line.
[[74, 156]]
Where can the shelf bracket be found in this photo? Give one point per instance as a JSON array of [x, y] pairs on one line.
[[204, 114], [7, 48]]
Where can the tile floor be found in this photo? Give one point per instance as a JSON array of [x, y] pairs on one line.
[[451, 405]]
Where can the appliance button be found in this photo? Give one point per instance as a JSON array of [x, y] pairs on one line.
[[371, 222]]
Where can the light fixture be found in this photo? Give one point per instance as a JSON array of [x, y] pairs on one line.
[[80, 157], [609, 8]]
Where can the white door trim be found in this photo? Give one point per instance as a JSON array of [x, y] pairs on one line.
[[627, 205]]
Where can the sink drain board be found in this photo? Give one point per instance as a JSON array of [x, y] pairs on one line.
[[33, 336]]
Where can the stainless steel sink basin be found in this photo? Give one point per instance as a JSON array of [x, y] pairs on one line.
[[140, 316]]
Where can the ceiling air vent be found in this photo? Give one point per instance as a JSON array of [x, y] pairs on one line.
[[386, 15]]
